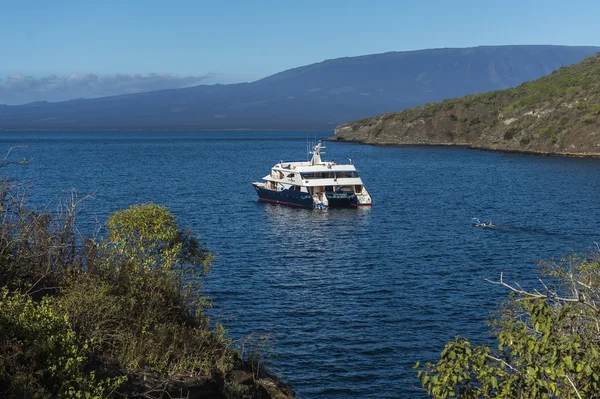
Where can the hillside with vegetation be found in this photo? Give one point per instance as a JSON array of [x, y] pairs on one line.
[[556, 114], [117, 314], [316, 96]]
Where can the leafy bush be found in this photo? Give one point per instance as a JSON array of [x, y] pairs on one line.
[[41, 355], [548, 343], [79, 313], [134, 304]]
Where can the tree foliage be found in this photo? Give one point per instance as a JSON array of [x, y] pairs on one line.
[[548, 343], [80, 313], [134, 303], [41, 355], [148, 235]]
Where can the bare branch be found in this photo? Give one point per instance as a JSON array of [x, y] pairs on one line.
[[573, 385], [503, 362], [589, 287], [4, 160], [534, 295]]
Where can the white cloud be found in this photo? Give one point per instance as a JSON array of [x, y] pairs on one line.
[[21, 89]]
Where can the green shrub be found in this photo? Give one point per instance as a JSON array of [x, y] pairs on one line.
[[77, 313], [526, 139], [511, 132], [448, 104], [548, 343], [594, 110], [475, 121], [41, 355], [133, 301]]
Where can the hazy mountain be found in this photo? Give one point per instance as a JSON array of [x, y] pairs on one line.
[[556, 114], [317, 96]]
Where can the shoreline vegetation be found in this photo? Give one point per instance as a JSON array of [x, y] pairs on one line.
[[558, 114], [548, 341], [118, 313]]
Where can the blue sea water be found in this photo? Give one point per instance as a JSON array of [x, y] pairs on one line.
[[352, 298]]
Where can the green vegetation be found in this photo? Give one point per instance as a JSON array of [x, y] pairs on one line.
[[565, 103], [548, 343], [41, 355], [101, 316], [562, 85]]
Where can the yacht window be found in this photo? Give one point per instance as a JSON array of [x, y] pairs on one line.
[[346, 174], [317, 175]]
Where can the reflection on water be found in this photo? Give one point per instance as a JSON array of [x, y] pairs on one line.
[[310, 221], [309, 244]]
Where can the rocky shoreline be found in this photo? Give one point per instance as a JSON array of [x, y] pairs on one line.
[[469, 147], [239, 383]]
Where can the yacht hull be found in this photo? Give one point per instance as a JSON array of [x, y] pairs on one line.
[[304, 200], [285, 197]]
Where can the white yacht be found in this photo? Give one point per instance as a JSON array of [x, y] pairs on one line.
[[314, 184]]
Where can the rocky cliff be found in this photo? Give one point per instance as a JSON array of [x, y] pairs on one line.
[[556, 114]]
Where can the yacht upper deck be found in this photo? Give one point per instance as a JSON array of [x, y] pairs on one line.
[[315, 172]]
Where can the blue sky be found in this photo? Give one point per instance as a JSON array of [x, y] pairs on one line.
[[230, 41]]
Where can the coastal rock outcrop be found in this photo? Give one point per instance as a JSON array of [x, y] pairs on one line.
[[239, 383]]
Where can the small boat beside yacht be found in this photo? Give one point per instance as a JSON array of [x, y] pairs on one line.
[[476, 222], [314, 184]]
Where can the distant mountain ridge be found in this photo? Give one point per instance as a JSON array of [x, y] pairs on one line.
[[317, 96], [556, 114]]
